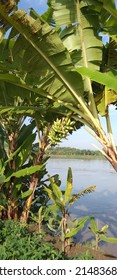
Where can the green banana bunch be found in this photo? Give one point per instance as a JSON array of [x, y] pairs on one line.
[[60, 129]]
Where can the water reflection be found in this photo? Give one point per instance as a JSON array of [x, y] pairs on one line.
[[102, 204]]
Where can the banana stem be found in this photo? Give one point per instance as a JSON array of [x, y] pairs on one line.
[[110, 133]]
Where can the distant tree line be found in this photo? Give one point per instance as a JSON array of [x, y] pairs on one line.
[[67, 151]]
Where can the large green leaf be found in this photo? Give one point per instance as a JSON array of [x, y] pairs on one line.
[[94, 227], [56, 190], [22, 110], [49, 65], [42, 64], [54, 198], [45, 66], [25, 151], [51, 194], [71, 12], [22, 151], [108, 79], [24, 172], [25, 130], [64, 12], [109, 239]]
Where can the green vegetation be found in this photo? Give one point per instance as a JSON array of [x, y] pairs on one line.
[[84, 256], [62, 201], [100, 234], [55, 72], [67, 152], [49, 58], [16, 243]]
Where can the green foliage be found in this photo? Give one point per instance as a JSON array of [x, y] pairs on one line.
[[39, 217], [84, 256], [71, 152], [20, 158], [15, 151], [46, 61], [69, 186], [62, 201], [38, 62], [100, 234], [24, 172], [107, 79], [81, 16], [16, 243]]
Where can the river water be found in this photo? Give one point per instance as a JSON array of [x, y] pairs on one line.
[[102, 204]]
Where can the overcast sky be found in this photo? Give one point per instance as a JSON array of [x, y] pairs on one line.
[[81, 138]]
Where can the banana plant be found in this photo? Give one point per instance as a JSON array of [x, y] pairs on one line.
[[53, 71], [79, 26], [16, 168], [62, 201], [15, 150], [50, 132], [100, 234], [39, 218]]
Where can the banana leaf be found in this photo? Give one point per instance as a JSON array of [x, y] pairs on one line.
[[69, 185], [56, 191], [94, 227], [42, 64], [25, 194], [107, 16], [76, 16], [108, 79], [78, 228], [44, 61], [75, 197], [24, 172], [104, 99], [54, 198], [108, 239]]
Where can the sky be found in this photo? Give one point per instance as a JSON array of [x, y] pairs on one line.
[[79, 139], [38, 5]]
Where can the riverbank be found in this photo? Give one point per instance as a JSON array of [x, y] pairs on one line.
[[77, 250], [73, 153], [72, 156]]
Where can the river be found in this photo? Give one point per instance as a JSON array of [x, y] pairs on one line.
[[102, 204]]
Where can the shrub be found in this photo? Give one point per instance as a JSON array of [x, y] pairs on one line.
[[16, 243]]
